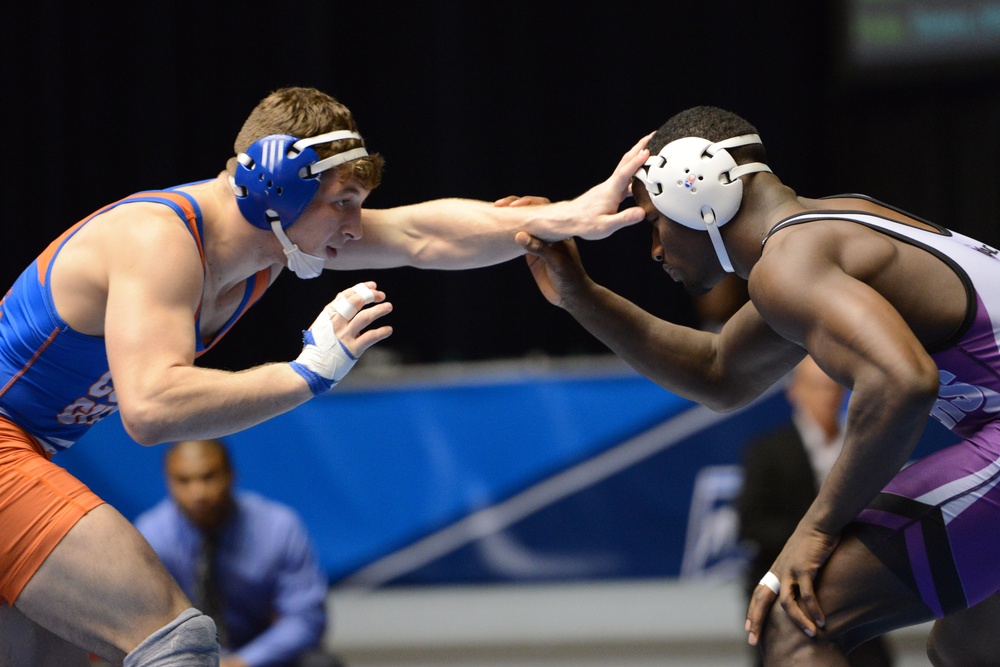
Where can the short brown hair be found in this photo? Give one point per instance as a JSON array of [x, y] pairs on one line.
[[303, 113]]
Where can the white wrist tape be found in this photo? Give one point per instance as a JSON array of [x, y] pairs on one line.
[[324, 359], [346, 308]]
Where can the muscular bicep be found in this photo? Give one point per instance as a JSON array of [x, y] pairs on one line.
[[154, 289], [845, 324]]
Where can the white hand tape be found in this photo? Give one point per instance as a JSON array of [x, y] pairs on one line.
[[345, 308], [324, 359], [771, 581]]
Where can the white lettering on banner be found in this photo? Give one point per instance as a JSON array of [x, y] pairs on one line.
[[99, 402], [957, 399], [711, 547]]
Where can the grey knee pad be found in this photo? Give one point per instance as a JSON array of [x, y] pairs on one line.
[[187, 641]]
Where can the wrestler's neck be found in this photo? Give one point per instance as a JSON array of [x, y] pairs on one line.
[[766, 202], [234, 249]]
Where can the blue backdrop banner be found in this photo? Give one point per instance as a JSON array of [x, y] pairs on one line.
[[518, 474]]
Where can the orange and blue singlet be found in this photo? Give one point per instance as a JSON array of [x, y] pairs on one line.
[[55, 382]]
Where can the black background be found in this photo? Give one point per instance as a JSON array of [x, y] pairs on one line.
[[473, 100]]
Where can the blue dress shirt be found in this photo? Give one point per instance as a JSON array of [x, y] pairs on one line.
[[274, 589]]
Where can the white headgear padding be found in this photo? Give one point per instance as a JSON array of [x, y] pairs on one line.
[[696, 183]]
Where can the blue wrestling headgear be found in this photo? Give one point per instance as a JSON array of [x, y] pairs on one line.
[[696, 183], [275, 180], [278, 176]]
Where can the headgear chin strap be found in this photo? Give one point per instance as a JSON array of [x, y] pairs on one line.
[[302, 264], [275, 180], [696, 183]]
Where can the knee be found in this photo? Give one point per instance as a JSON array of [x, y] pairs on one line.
[[784, 643], [781, 642], [190, 639]]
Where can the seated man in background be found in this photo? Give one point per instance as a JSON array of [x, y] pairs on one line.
[[243, 559]]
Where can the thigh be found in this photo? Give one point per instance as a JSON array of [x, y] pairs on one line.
[[937, 524], [102, 587], [861, 599], [39, 503]]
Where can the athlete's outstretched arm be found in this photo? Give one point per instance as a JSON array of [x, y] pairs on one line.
[[462, 233]]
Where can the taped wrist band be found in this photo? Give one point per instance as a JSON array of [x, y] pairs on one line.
[[771, 581], [325, 359], [345, 308], [317, 383]]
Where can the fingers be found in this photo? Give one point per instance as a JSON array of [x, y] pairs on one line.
[[355, 317], [530, 243], [629, 216], [621, 179], [807, 613], [514, 201], [637, 150], [366, 317], [506, 201], [370, 337], [636, 156], [797, 599], [530, 200], [356, 334], [350, 301], [760, 605]]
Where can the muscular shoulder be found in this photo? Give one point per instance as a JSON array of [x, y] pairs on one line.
[[800, 269], [789, 258], [137, 243], [131, 233], [146, 227], [822, 245]]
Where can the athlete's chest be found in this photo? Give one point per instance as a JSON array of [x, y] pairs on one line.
[[219, 308]]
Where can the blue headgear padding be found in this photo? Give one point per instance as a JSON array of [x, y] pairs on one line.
[[275, 181]]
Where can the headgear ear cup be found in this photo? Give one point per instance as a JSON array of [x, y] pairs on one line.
[[278, 175], [696, 183], [269, 175]]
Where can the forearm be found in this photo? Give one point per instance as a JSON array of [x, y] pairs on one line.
[[464, 233], [882, 430], [691, 363], [439, 234], [680, 359], [461, 234], [189, 402]]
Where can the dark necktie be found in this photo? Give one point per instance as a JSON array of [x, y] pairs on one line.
[[208, 592]]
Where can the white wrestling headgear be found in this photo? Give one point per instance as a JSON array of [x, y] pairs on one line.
[[696, 183]]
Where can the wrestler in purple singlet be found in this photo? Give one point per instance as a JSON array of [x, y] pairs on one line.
[[934, 523]]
